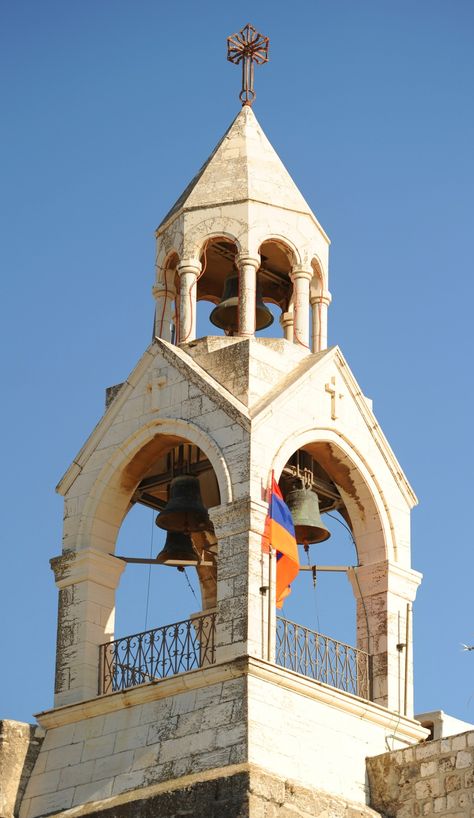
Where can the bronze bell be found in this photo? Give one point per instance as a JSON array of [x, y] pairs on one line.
[[178, 550], [184, 510], [225, 315], [304, 507]]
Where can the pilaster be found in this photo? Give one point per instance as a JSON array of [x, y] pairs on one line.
[[242, 571], [86, 581], [384, 592]]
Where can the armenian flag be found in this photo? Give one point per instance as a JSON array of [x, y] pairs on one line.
[[281, 536]]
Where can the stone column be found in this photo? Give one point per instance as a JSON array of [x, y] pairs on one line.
[[188, 271], [301, 279], [384, 592], [242, 570], [247, 267], [87, 581], [319, 311], [286, 323], [165, 295]]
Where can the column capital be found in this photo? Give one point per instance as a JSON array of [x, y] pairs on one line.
[[239, 517], [287, 319], [384, 577], [321, 298], [301, 272], [87, 565], [189, 265], [159, 290], [242, 259]]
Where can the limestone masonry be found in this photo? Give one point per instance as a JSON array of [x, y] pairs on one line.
[[235, 711]]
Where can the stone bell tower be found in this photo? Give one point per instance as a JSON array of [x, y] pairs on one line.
[[233, 711]]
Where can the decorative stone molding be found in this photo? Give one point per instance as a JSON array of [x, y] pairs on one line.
[[87, 565]]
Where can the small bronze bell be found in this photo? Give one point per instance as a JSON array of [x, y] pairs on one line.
[[178, 550], [184, 510], [304, 507], [225, 315]]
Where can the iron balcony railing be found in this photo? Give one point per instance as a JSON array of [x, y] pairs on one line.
[[158, 653], [324, 659], [190, 644]]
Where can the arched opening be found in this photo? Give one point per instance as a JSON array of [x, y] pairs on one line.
[[321, 598], [217, 259], [344, 481], [172, 588], [165, 602], [277, 260], [165, 291]]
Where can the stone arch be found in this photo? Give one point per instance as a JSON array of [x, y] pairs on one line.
[[288, 244], [169, 262], [109, 498], [319, 284], [363, 496], [212, 228], [220, 234]]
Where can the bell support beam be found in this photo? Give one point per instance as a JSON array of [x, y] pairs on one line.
[[188, 272], [164, 294], [247, 267], [301, 279], [319, 312]]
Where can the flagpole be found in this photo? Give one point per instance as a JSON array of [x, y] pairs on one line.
[[270, 566]]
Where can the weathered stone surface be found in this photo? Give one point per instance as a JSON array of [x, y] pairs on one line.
[[19, 747], [440, 781], [246, 793]]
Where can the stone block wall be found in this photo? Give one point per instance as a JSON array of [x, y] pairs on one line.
[[434, 778], [19, 747], [138, 746], [245, 791]]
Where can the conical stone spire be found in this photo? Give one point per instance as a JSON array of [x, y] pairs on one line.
[[244, 166]]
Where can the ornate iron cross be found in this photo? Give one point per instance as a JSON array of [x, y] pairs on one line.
[[247, 47]]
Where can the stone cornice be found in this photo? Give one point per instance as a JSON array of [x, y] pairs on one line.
[[405, 729]]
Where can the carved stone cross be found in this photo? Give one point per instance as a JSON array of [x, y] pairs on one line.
[[335, 395]]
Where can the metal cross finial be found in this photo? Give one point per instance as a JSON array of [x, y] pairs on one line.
[[247, 46]]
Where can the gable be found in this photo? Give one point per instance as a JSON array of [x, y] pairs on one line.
[[165, 382]]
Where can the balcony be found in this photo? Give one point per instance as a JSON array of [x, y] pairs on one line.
[[157, 654], [188, 645]]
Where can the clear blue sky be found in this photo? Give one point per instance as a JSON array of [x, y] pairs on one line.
[[108, 109]]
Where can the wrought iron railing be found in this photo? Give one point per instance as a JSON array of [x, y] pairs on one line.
[[322, 658], [156, 654]]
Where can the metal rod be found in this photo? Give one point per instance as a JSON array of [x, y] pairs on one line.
[[269, 604], [341, 568], [407, 645]]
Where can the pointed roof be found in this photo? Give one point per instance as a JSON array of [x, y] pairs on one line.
[[243, 166]]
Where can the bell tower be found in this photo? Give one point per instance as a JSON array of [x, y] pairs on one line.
[[234, 710]]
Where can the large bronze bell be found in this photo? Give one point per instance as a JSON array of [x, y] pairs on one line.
[[184, 510], [178, 550], [304, 507], [226, 314]]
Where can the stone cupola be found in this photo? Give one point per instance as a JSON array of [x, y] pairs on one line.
[[243, 212]]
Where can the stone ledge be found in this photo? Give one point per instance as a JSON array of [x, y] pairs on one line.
[[405, 729]]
